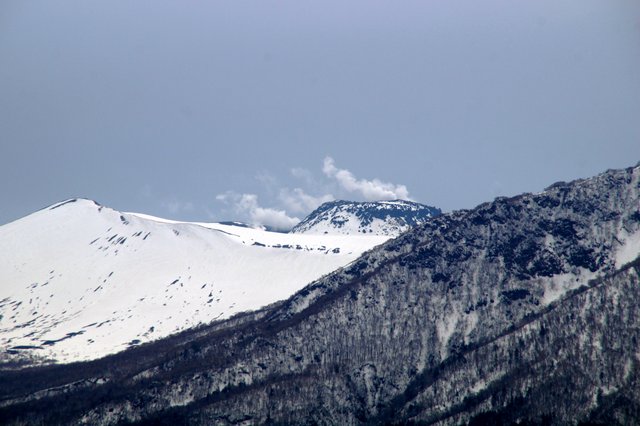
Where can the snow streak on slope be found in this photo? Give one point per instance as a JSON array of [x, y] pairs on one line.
[[79, 281]]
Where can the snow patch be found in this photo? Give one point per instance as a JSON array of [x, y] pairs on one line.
[[558, 285], [445, 329], [630, 248]]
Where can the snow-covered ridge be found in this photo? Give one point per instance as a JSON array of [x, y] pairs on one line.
[[79, 280], [389, 218]]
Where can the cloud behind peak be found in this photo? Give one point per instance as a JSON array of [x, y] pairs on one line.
[[370, 190]]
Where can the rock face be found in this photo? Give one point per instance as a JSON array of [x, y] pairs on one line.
[[522, 310], [390, 218]]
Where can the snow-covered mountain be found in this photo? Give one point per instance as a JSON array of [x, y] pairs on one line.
[[79, 280], [523, 310], [389, 218]]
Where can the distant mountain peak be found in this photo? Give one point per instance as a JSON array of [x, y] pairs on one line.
[[390, 218]]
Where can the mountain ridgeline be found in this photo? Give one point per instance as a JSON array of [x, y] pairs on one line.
[[79, 280], [523, 310], [372, 217]]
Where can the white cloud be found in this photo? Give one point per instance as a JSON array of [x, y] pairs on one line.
[[301, 200], [247, 205], [266, 179], [226, 197], [303, 174], [370, 190], [298, 201]]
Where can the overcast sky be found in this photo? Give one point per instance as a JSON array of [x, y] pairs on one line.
[[259, 110]]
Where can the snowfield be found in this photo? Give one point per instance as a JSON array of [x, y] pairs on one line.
[[79, 281]]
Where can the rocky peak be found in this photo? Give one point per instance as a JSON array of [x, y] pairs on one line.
[[389, 218]]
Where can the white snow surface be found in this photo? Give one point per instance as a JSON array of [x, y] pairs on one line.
[[347, 218], [79, 281], [352, 225], [630, 248], [557, 286]]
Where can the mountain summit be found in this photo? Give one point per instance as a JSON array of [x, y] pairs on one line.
[[79, 280], [389, 218]]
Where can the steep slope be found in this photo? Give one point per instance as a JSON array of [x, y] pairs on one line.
[[79, 281], [526, 309], [377, 218]]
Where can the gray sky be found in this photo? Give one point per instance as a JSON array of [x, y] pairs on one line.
[[214, 110]]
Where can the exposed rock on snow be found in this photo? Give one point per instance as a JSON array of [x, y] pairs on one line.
[[376, 218]]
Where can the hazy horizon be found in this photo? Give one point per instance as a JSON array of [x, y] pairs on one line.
[[263, 110]]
